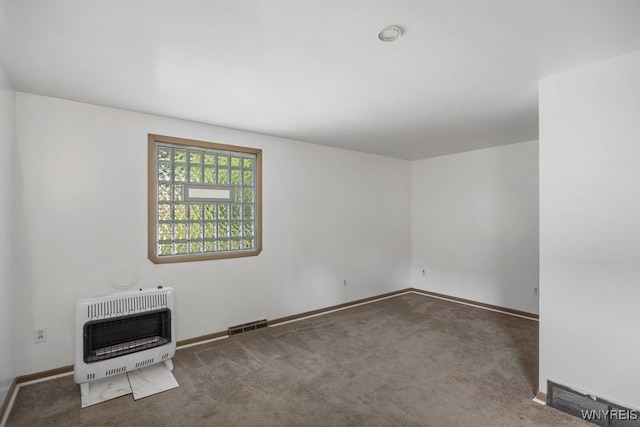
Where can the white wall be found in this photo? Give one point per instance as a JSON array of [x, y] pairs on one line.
[[7, 97], [81, 174], [475, 225], [590, 229]]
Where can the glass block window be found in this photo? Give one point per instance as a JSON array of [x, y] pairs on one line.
[[204, 200]]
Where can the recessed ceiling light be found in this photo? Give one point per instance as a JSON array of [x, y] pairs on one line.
[[390, 33]]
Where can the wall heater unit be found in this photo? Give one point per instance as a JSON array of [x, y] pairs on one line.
[[122, 332]]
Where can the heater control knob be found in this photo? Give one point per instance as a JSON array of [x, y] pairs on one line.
[[159, 286]]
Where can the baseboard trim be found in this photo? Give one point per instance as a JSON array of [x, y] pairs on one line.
[[336, 307], [44, 374], [505, 310], [201, 339], [280, 320], [7, 399], [541, 397]]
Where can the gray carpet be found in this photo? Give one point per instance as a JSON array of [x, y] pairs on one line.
[[410, 360]]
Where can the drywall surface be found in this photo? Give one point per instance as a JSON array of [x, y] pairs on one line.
[[328, 215], [590, 229], [7, 97], [475, 225]]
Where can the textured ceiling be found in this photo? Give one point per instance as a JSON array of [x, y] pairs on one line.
[[462, 77]]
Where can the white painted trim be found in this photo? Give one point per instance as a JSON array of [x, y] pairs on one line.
[[338, 309], [476, 306], [540, 402], [40, 380], [7, 411], [202, 342]]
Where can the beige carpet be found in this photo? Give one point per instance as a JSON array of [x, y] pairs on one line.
[[410, 360]]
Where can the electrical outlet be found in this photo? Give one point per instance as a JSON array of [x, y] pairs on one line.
[[39, 335], [535, 291], [344, 283], [424, 272]]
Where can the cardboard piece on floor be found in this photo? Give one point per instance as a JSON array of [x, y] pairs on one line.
[[141, 383], [106, 389], [151, 380]]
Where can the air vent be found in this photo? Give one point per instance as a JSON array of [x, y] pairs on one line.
[[245, 327], [144, 363], [122, 306], [590, 408], [115, 371]]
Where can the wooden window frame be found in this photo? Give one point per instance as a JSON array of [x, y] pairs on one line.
[[152, 200]]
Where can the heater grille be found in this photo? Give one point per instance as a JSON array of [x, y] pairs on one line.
[[120, 335], [126, 305]]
